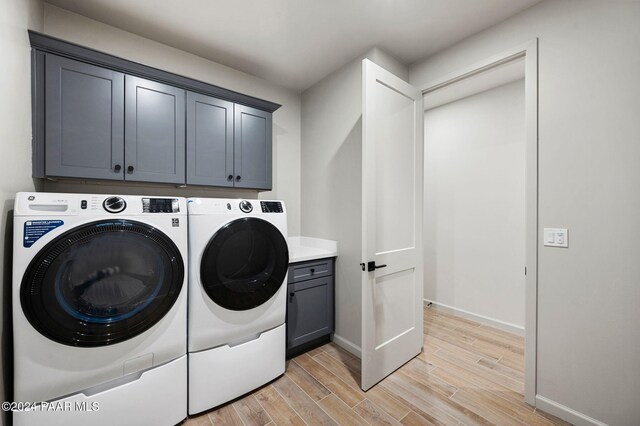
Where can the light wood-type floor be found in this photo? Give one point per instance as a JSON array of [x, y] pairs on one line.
[[468, 374]]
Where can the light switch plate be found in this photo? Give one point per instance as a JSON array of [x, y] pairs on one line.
[[556, 237]]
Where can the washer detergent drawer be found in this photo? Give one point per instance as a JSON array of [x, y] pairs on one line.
[[221, 374], [157, 397]]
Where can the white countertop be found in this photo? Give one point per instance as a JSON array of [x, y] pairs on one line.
[[306, 248]]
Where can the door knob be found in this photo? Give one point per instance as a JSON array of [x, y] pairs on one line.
[[117, 168], [130, 169], [230, 177], [371, 266]]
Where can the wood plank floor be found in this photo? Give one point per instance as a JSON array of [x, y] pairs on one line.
[[468, 373]]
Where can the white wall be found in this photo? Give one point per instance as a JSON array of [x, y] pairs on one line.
[[332, 180], [332, 183], [286, 120], [474, 223], [588, 294], [15, 139]]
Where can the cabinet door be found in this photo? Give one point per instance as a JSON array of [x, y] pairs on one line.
[[155, 132], [209, 141], [252, 148], [84, 120], [309, 310]]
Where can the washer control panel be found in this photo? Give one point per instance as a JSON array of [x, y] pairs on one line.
[[246, 206], [114, 204], [271, 206], [160, 205]]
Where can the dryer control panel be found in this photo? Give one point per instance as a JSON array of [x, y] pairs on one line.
[[55, 204], [271, 206], [160, 205]]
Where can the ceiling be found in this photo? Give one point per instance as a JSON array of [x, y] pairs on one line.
[[295, 43]]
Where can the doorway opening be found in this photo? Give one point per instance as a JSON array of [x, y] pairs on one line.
[[480, 203]]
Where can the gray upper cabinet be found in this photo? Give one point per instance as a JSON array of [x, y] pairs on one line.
[[209, 141], [227, 144], [97, 116], [155, 132], [252, 148], [84, 124]]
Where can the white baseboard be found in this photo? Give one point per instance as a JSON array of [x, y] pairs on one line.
[[347, 345], [565, 413], [511, 328]]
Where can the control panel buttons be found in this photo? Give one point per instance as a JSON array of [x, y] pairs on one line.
[[114, 204], [246, 206], [83, 204]]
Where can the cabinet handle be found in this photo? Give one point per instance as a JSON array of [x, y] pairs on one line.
[[117, 168], [312, 270], [230, 178], [238, 178], [130, 169], [292, 294]]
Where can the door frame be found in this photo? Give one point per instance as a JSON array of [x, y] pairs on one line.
[[528, 51]]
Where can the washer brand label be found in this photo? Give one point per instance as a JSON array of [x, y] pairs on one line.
[[175, 222], [36, 229]]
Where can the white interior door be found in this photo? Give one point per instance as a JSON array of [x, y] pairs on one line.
[[392, 154]]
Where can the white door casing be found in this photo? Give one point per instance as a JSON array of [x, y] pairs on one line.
[[529, 51], [392, 168]]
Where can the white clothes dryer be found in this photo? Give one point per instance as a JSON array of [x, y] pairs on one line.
[[99, 309], [237, 297]]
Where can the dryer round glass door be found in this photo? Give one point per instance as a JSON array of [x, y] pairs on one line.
[[102, 283], [245, 264]]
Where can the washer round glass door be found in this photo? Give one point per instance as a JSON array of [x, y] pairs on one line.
[[102, 283], [245, 264]]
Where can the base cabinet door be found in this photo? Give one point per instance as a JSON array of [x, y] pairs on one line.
[[84, 120], [310, 310], [155, 132], [310, 307]]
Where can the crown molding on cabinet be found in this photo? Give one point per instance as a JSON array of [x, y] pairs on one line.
[[60, 47]]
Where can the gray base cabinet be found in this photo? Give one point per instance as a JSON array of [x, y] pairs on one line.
[[310, 307]]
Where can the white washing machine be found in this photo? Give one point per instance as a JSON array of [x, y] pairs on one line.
[[237, 297], [99, 309]]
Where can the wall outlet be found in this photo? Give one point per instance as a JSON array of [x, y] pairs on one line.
[[556, 237]]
